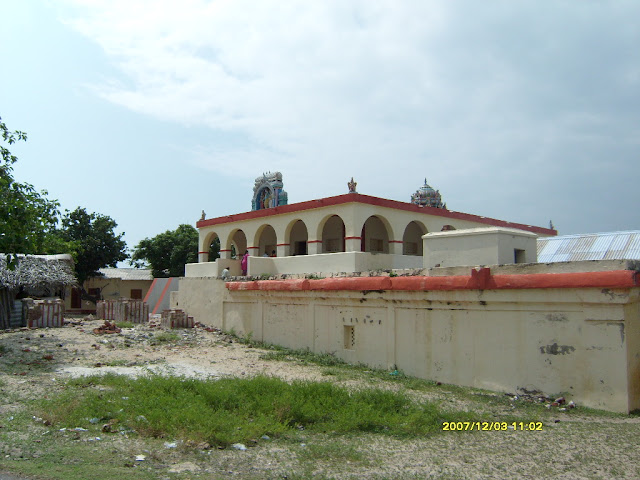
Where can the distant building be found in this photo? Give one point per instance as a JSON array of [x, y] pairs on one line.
[[113, 284], [38, 276]]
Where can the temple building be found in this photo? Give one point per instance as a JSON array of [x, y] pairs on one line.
[[345, 233], [413, 286]]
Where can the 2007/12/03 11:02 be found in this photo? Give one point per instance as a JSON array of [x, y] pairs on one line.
[[492, 426]]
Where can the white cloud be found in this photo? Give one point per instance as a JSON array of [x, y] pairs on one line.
[[492, 94]]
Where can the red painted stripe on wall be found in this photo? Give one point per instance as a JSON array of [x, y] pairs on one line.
[[153, 284], [478, 280], [273, 285], [164, 291]]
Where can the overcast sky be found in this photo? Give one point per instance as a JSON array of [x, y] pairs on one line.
[[151, 111]]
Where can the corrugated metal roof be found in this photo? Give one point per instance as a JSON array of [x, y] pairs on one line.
[[590, 246], [127, 273]]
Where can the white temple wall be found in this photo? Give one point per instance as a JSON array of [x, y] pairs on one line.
[[580, 342]]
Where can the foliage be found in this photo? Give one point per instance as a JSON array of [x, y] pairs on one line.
[[168, 252], [94, 242], [230, 410], [28, 219], [164, 337], [9, 137], [214, 249]]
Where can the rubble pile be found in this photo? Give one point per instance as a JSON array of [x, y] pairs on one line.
[[539, 397], [108, 327]]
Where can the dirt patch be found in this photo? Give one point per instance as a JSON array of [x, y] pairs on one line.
[[34, 363]]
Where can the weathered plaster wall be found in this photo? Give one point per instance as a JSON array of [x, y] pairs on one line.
[[575, 333]]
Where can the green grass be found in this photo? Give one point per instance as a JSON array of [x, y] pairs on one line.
[[233, 410], [125, 324], [120, 362], [164, 337], [303, 356]]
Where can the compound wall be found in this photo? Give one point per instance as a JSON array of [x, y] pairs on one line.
[[574, 333]]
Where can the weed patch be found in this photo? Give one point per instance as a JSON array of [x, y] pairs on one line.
[[126, 324], [234, 410], [164, 338]]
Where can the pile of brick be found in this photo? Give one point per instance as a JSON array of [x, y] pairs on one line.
[[108, 327], [176, 318]]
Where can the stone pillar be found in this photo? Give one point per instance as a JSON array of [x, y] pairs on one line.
[[225, 254], [314, 247], [395, 247], [352, 244], [282, 250]]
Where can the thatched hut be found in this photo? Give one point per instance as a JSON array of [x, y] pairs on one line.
[[32, 275]]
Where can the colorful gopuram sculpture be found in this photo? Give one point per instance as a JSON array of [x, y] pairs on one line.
[[268, 192], [426, 196]]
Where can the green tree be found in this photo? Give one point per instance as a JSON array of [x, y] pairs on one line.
[[214, 249], [93, 240], [168, 252], [28, 219]]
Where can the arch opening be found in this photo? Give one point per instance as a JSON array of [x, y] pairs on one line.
[[298, 238], [237, 243], [374, 237], [412, 239], [266, 241], [333, 235]]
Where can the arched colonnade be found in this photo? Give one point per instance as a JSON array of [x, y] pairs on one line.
[[271, 236]]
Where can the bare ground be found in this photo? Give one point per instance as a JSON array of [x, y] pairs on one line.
[[577, 444]]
